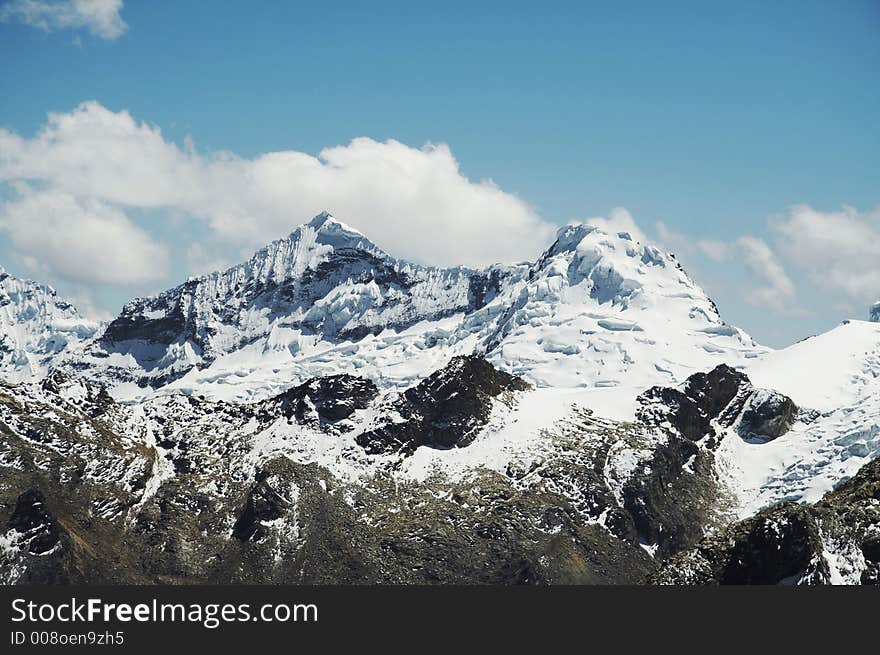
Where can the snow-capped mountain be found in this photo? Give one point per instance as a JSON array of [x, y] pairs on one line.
[[324, 287], [327, 412], [594, 310], [36, 328]]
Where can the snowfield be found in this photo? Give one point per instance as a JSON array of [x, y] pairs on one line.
[[838, 375], [597, 319]]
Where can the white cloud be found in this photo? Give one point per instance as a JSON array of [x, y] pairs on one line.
[[100, 17], [414, 202], [715, 250], [82, 240], [619, 220], [778, 293], [201, 260], [839, 251], [678, 242]]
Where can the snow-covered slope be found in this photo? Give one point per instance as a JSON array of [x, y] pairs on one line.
[[826, 371], [304, 305], [36, 328], [595, 310], [599, 374], [602, 310], [837, 374]]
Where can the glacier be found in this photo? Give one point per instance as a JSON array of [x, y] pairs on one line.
[[324, 350]]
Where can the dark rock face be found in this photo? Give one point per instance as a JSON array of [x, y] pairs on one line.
[[34, 523], [768, 415], [673, 498], [781, 545], [164, 330], [265, 502], [33, 531], [331, 398], [787, 544], [483, 287], [722, 395], [704, 397], [672, 502], [776, 547], [445, 410]]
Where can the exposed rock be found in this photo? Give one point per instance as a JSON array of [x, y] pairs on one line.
[[35, 526], [445, 410], [767, 415], [266, 502], [833, 541], [704, 397], [674, 499], [721, 398], [135, 514], [332, 398], [184, 490]]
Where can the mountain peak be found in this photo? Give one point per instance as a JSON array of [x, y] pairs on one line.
[[590, 311], [36, 327], [875, 312], [569, 236], [330, 231], [320, 219], [326, 222]]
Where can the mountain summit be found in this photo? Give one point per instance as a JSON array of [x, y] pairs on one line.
[[36, 328], [595, 309], [327, 412]]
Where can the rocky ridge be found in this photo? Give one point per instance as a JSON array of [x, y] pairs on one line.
[[328, 413]]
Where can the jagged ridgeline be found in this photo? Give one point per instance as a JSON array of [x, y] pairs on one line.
[[171, 491], [327, 413]]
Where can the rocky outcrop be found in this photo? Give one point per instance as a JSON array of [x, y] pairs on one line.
[[445, 410], [832, 542], [767, 415], [674, 499], [721, 398], [325, 400], [185, 490], [702, 399]]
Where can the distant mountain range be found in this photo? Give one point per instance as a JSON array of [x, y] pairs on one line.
[[325, 412]]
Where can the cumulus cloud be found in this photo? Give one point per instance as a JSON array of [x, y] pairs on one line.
[[716, 250], [414, 202], [83, 240], [101, 17], [778, 292], [201, 260], [838, 250], [619, 220]]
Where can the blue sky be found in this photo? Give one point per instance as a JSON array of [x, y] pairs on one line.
[[711, 118]]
